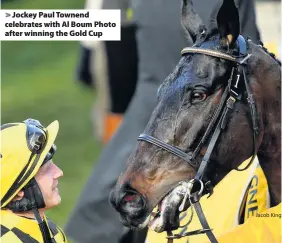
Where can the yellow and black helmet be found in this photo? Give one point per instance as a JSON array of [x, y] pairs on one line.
[[25, 146]]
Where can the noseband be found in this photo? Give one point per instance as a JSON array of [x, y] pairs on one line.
[[217, 124]]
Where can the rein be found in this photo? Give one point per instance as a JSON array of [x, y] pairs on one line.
[[232, 94]]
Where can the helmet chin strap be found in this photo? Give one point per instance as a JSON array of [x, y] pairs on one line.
[[32, 201], [32, 198]]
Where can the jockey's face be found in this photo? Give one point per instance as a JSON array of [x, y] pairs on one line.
[[47, 179]]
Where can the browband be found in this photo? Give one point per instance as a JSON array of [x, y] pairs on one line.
[[208, 52], [242, 49]]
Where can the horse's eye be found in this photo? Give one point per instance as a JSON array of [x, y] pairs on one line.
[[197, 97]]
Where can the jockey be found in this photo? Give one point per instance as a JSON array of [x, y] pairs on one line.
[[29, 181], [244, 217]]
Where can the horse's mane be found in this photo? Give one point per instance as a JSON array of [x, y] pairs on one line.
[[213, 31], [269, 53]]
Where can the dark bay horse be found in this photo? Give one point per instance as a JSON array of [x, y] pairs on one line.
[[220, 106]]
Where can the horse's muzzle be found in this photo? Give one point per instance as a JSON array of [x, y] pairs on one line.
[[129, 203]]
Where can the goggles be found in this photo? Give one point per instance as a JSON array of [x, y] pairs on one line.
[[36, 138]]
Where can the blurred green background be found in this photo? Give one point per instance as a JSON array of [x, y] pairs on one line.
[[38, 81]]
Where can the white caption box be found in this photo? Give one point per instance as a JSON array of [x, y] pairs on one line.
[[65, 25]]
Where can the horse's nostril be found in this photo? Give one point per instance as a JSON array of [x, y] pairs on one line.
[[132, 199], [132, 203]]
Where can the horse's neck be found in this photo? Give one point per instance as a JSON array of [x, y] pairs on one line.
[[269, 156], [269, 153], [271, 166]]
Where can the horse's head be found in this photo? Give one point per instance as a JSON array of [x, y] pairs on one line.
[[209, 119]]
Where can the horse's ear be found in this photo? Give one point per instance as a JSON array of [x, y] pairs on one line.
[[228, 23], [191, 21]]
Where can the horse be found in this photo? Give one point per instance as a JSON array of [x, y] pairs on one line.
[[220, 106]]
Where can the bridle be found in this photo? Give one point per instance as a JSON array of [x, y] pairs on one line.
[[232, 93]]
